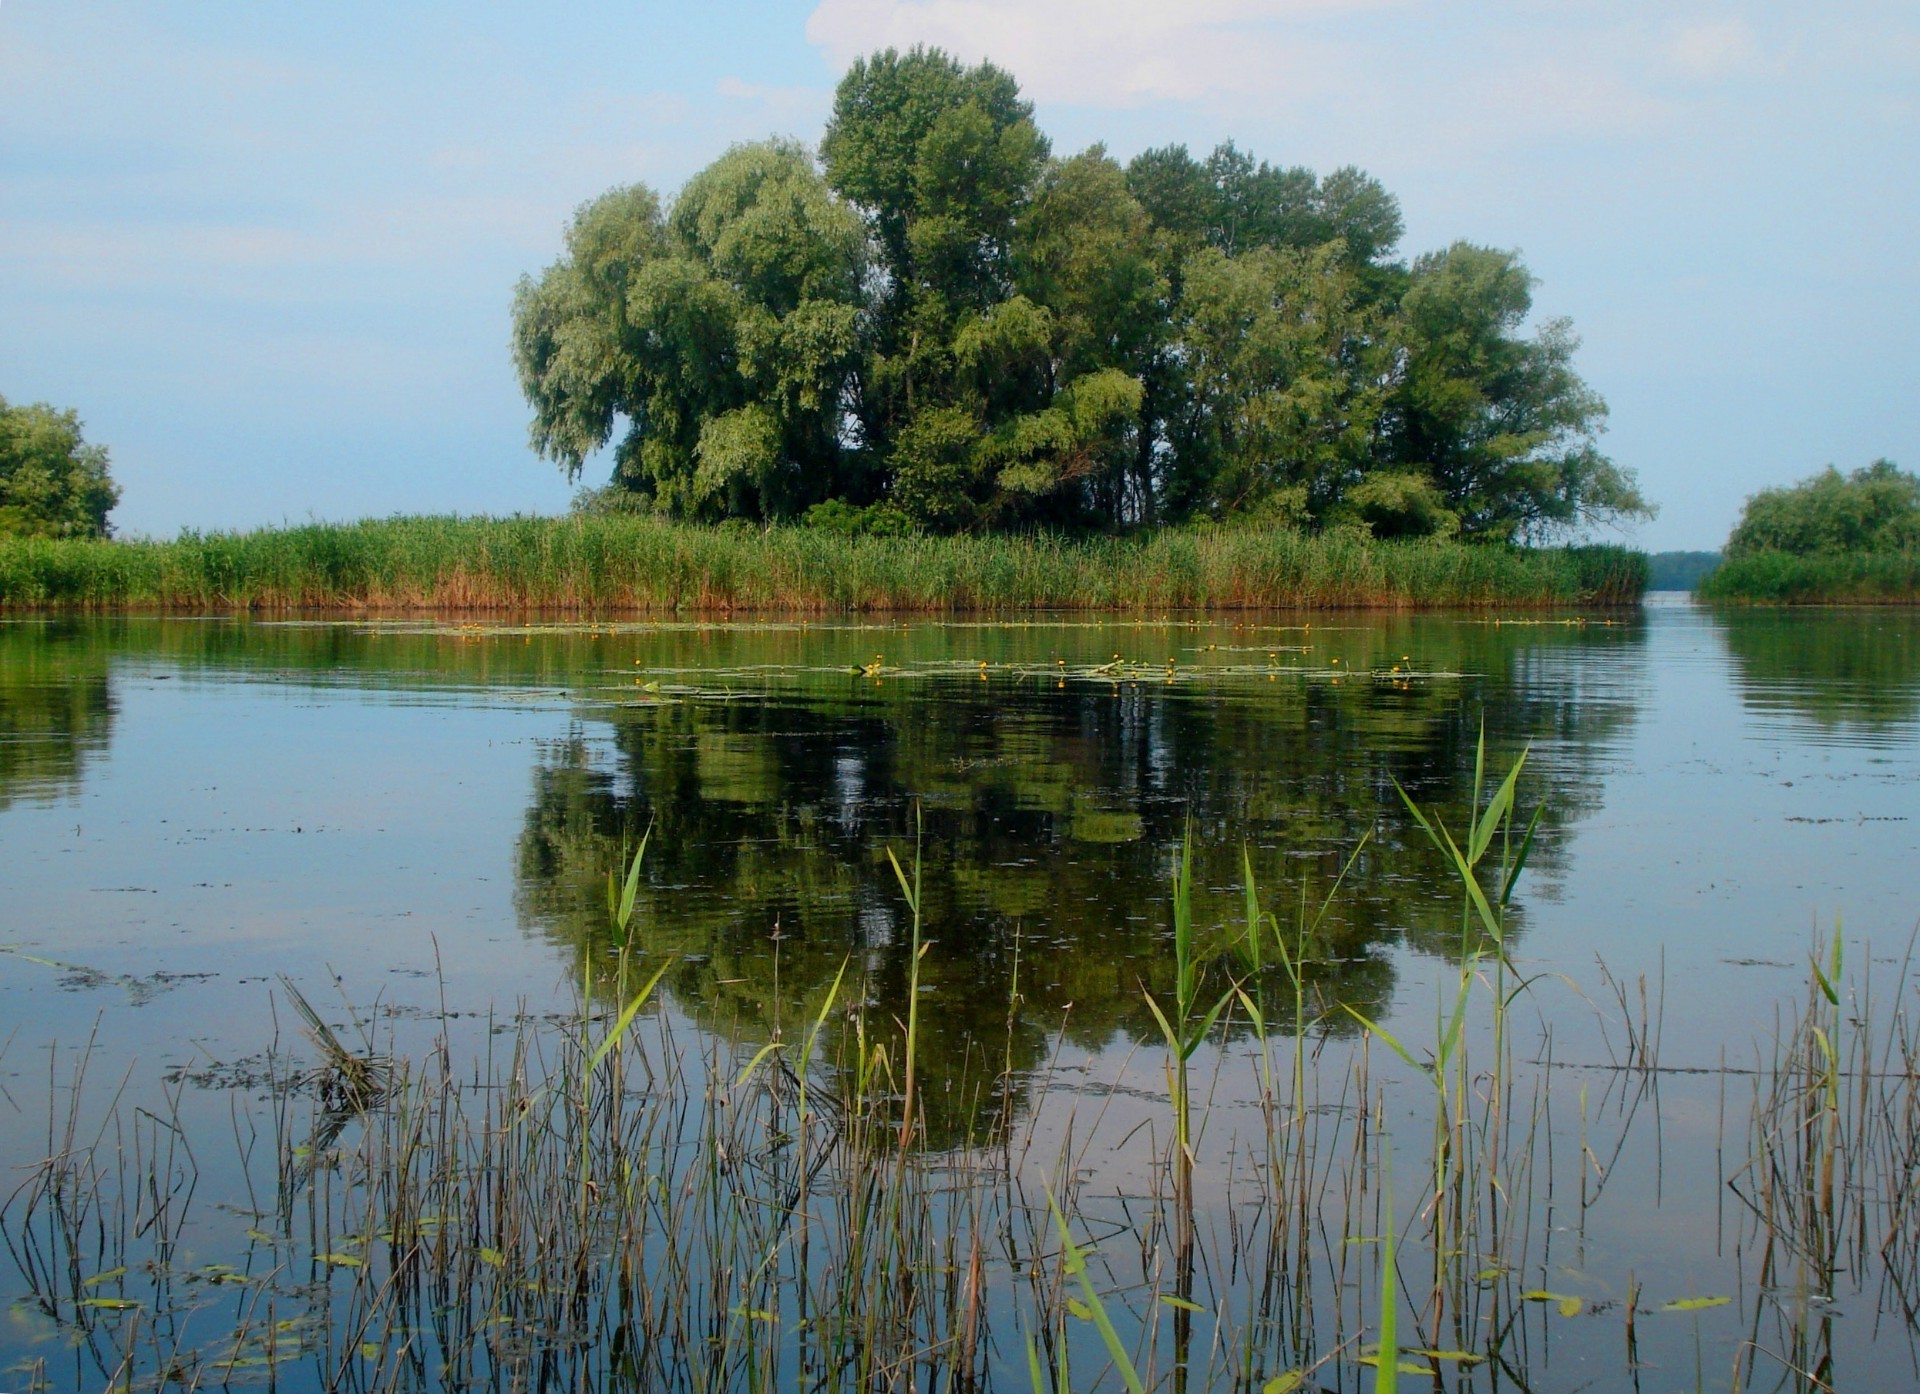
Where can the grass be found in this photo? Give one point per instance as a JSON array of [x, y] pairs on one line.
[[595, 1203], [1831, 578], [614, 564]]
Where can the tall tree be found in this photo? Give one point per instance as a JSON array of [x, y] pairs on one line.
[[52, 483], [723, 333], [941, 159], [1282, 396], [1499, 422]]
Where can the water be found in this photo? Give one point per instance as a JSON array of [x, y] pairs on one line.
[[415, 821]]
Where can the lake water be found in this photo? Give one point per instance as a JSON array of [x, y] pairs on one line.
[[415, 821]]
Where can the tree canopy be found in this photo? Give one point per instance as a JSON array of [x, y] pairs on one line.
[[52, 483], [940, 324], [1875, 509]]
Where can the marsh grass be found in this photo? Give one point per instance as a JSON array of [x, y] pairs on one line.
[[589, 564], [1827, 578], [609, 1201]]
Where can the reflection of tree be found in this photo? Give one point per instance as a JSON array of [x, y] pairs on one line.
[[56, 706], [1836, 668], [1051, 807]]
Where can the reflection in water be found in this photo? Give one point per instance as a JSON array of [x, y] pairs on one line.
[[1051, 801], [1850, 673], [56, 706]]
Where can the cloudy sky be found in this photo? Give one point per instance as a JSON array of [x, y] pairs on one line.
[[268, 250]]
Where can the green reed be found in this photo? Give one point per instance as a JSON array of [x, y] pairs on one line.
[[618, 563], [1827, 578]]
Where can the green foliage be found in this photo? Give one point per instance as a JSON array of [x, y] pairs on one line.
[[1273, 411], [946, 324], [722, 333], [52, 483], [1501, 424], [1876, 509]]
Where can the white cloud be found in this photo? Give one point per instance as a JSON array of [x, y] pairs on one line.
[[1714, 49]]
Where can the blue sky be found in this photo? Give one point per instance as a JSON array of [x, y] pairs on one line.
[[268, 251]]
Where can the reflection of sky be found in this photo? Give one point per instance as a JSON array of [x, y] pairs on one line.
[[1726, 839]]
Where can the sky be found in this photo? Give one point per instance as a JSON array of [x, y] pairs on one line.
[[268, 251]]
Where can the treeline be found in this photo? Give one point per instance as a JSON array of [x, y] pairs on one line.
[[1831, 538], [936, 325]]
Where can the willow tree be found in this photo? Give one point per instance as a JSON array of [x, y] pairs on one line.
[[720, 333]]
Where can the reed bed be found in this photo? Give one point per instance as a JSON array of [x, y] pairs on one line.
[[1829, 578], [608, 1201], [624, 564]]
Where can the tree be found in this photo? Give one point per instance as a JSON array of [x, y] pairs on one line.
[[722, 331], [1281, 404], [52, 483], [941, 326], [1875, 509], [1500, 424]]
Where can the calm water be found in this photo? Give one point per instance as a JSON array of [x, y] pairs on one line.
[[427, 812]]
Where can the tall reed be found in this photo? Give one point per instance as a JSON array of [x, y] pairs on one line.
[[618, 563]]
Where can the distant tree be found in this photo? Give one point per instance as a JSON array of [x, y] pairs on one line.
[[1875, 509], [52, 483], [1499, 422], [722, 332]]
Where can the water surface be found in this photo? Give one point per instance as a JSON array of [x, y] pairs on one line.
[[416, 821]]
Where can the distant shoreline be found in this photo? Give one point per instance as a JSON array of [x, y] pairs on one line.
[[629, 565]]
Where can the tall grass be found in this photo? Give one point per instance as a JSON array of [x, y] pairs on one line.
[[1827, 578], [589, 563]]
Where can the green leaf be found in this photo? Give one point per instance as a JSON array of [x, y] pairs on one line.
[[1074, 1259], [1520, 857], [1496, 813], [110, 1304], [1181, 1303], [760, 1055], [1399, 1367], [1166, 1028], [630, 891], [1695, 1304], [1389, 1038], [626, 1018], [342, 1260], [105, 1277], [493, 1258], [1568, 1306], [1284, 1383]]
